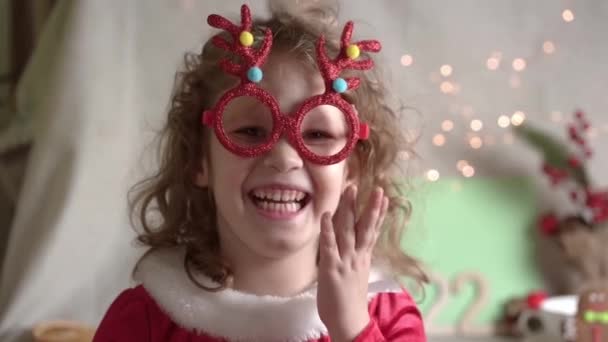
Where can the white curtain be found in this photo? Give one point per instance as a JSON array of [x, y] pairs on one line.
[[99, 82], [92, 95]]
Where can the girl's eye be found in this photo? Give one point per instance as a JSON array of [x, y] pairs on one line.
[[317, 135], [251, 131], [249, 135]]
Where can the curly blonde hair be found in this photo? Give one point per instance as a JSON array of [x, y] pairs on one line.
[[187, 212]]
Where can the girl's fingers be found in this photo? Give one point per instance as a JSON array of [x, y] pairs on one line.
[[344, 222], [328, 247], [366, 227]]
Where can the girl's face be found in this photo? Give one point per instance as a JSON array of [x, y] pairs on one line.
[[271, 205]]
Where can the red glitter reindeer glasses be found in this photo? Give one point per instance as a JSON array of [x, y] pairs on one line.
[[247, 119]]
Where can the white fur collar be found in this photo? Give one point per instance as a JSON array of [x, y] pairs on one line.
[[235, 315]]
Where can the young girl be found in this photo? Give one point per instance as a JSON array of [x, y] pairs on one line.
[[278, 218]]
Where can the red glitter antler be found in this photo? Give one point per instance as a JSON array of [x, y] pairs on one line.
[[330, 69], [242, 42]]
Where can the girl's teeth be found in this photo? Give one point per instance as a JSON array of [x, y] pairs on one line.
[[289, 207], [279, 196]]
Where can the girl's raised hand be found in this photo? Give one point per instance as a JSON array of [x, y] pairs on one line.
[[345, 252]]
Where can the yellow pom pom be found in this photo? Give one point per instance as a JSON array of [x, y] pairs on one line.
[[246, 38], [352, 51]]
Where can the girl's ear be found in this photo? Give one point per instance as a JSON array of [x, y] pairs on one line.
[[352, 171]]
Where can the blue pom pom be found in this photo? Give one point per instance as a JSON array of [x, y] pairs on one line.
[[340, 85], [254, 74]]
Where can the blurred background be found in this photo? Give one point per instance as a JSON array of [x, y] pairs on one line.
[[491, 89]]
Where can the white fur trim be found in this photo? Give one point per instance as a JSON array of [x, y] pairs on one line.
[[236, 315]]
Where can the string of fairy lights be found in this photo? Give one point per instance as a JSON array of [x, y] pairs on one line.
[[475, 126]]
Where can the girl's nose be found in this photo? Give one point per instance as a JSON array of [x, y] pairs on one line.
[[283, 157]]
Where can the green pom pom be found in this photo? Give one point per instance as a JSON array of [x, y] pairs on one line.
[[589, 316]]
